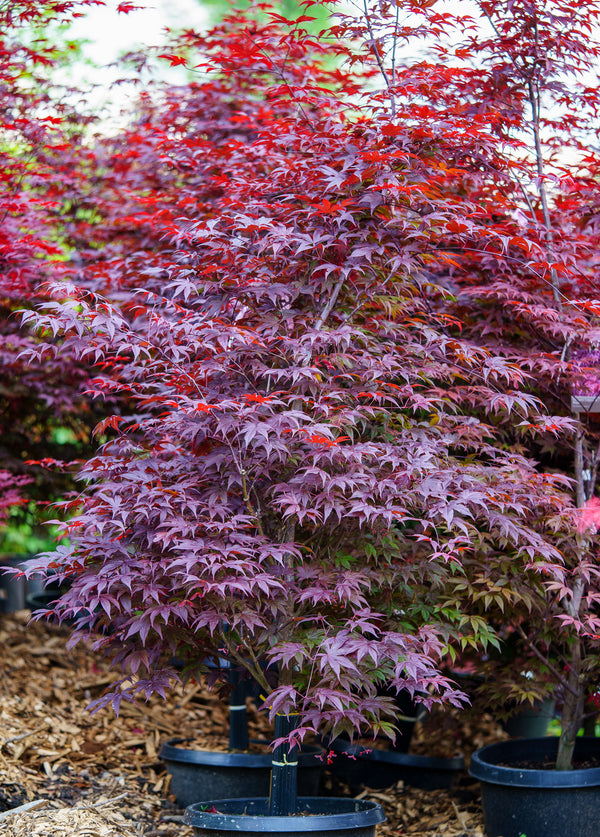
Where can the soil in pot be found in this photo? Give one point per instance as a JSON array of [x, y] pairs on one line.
[[320, 816], [521, 798], [221, 744]]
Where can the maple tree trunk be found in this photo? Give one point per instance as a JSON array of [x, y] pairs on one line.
[[572, 713], [284, 771], [238, 717]]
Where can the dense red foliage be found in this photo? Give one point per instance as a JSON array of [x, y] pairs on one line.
[[530, 294], [335, 297], [43, 412]]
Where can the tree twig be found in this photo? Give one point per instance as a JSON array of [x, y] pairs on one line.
[[554, 671], [28, 806], [21, 737]]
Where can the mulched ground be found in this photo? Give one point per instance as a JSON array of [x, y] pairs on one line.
[[100, 776]]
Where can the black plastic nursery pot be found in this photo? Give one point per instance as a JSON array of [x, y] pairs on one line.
[[409, 713], [199, 775], [44, 593], [12, 587], [42, 600], [318, 815], [530, 721], [363, 766], [536, 802]]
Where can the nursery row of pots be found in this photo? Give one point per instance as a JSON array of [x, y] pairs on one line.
[[225, 792], [212, 773], [228, 792]]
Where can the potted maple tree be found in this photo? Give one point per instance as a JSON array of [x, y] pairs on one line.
[[527, 290], [199, 770], [303, 468]]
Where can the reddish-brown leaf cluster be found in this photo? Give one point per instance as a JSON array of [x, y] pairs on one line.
[[341, 301]]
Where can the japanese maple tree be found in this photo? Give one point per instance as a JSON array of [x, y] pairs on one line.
[[335, 299], [305, 465], [528, 291]]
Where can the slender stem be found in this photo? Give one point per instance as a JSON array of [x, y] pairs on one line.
[[573, 705], [284, 771], [330, 305], [378, 57], [238, 716], [248, 662], [534, 101], [395, 42], [566, 347], [280, 73], [563, 681], [245, 491], [594, 472], [251, 510], [578, 452], [526, 195]]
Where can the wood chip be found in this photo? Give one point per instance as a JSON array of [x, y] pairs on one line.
[[100, 776], [67, 822]]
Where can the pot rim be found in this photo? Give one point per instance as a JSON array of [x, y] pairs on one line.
[[485, 764], [360, 813], [170, 751], [398, 758]]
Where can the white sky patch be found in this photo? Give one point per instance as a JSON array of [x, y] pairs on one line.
[[111, 33], [108, 34]]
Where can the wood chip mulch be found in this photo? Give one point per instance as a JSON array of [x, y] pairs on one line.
[[73, 774]]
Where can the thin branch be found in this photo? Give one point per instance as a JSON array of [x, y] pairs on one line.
[[330, 304], [578, 464], [534, 101], [594, 472], [527, 197], [376, 52], [279, 73], [249, 662], [554, 671], [395, 42], [251, 510], [566, 347]]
